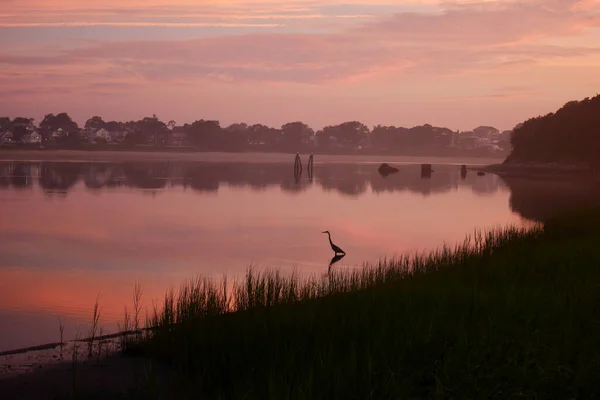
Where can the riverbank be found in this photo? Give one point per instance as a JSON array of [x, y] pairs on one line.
[[512, 312], [155, 156]]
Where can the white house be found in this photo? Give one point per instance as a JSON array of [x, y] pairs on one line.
[[6, 137], [32, 138], [101, 135]]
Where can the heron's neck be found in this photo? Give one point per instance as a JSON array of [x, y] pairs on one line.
[[329, 234]]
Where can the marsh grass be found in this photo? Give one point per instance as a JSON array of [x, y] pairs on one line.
[[74, 357], [61, 331], [510, 312], [94, 326]]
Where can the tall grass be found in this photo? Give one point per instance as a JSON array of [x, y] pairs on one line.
[[61, 331], [203, 297], [510, 312], [94, 326]]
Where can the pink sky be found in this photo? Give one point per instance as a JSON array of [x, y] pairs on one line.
[[457, 64]]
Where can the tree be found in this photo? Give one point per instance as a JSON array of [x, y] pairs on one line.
[[18, 127], [95, 123], [204, 134], [153, 129], [113, 126], [4, 123], [259, 134], [52, 123], [348, 134], [295, 135], [234, 137], [171, 125], [571, 134]]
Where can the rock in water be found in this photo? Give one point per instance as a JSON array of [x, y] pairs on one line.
[[385, 170]]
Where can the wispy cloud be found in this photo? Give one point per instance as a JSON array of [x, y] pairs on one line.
[[32, 13], [136, 24]]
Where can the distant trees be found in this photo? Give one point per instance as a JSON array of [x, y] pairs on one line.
[[208, 135], [113, 126], [204, 134], [295, 136], [52, 123], [19, 127], [4, 123], [571, 134], [95, 123], [415, 137], [347, 134], [153, 129]]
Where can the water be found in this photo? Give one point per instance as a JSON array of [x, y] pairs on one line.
[[71, 231]]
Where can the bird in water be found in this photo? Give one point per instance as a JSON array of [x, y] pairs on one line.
[[335, 248]]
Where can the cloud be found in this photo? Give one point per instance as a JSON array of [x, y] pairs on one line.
[[32, 13], [136, 24], [459, 38]]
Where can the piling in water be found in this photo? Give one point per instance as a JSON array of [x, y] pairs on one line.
[[426, 170]]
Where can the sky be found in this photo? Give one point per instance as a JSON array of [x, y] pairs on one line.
[[458, 64]]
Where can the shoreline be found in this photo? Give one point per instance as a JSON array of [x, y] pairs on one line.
[[537, 169], [250, 157]]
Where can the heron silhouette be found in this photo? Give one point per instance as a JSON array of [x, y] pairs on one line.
[[335, 248]]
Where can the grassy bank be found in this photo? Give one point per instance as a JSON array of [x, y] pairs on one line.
[[512, 313]]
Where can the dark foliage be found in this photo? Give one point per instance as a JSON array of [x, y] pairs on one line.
[[570, 135]]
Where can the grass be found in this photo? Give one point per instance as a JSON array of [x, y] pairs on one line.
[[61, 330], [94, 326], [509, 313]]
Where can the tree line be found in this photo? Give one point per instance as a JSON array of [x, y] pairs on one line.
[[571, 134], [210, 135]]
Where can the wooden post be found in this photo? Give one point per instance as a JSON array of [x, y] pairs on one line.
[[426, 170]]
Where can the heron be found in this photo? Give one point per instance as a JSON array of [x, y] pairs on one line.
[[335, 248]]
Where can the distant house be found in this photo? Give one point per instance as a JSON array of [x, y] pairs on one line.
[[6, 137], [58, 133], [117, 136], [177, 137], [99, 135], [486, 131], [32, 138]]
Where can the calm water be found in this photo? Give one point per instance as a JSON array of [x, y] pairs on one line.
[[71, 231]]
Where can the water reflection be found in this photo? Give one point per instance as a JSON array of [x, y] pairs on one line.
[[532, 199], [538, 200], [335, 259], [346, 179]]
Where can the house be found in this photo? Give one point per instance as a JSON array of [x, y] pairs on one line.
[[99, 136], [117, 136], [6, 137], [31, 138], [177, 137]]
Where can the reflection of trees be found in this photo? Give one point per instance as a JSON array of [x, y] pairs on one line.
[[97, 176], [540, 199], [532, 199], [147, 175], [350, 180], [59, 176], [6, 173], [22, 175], [347, 179]]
